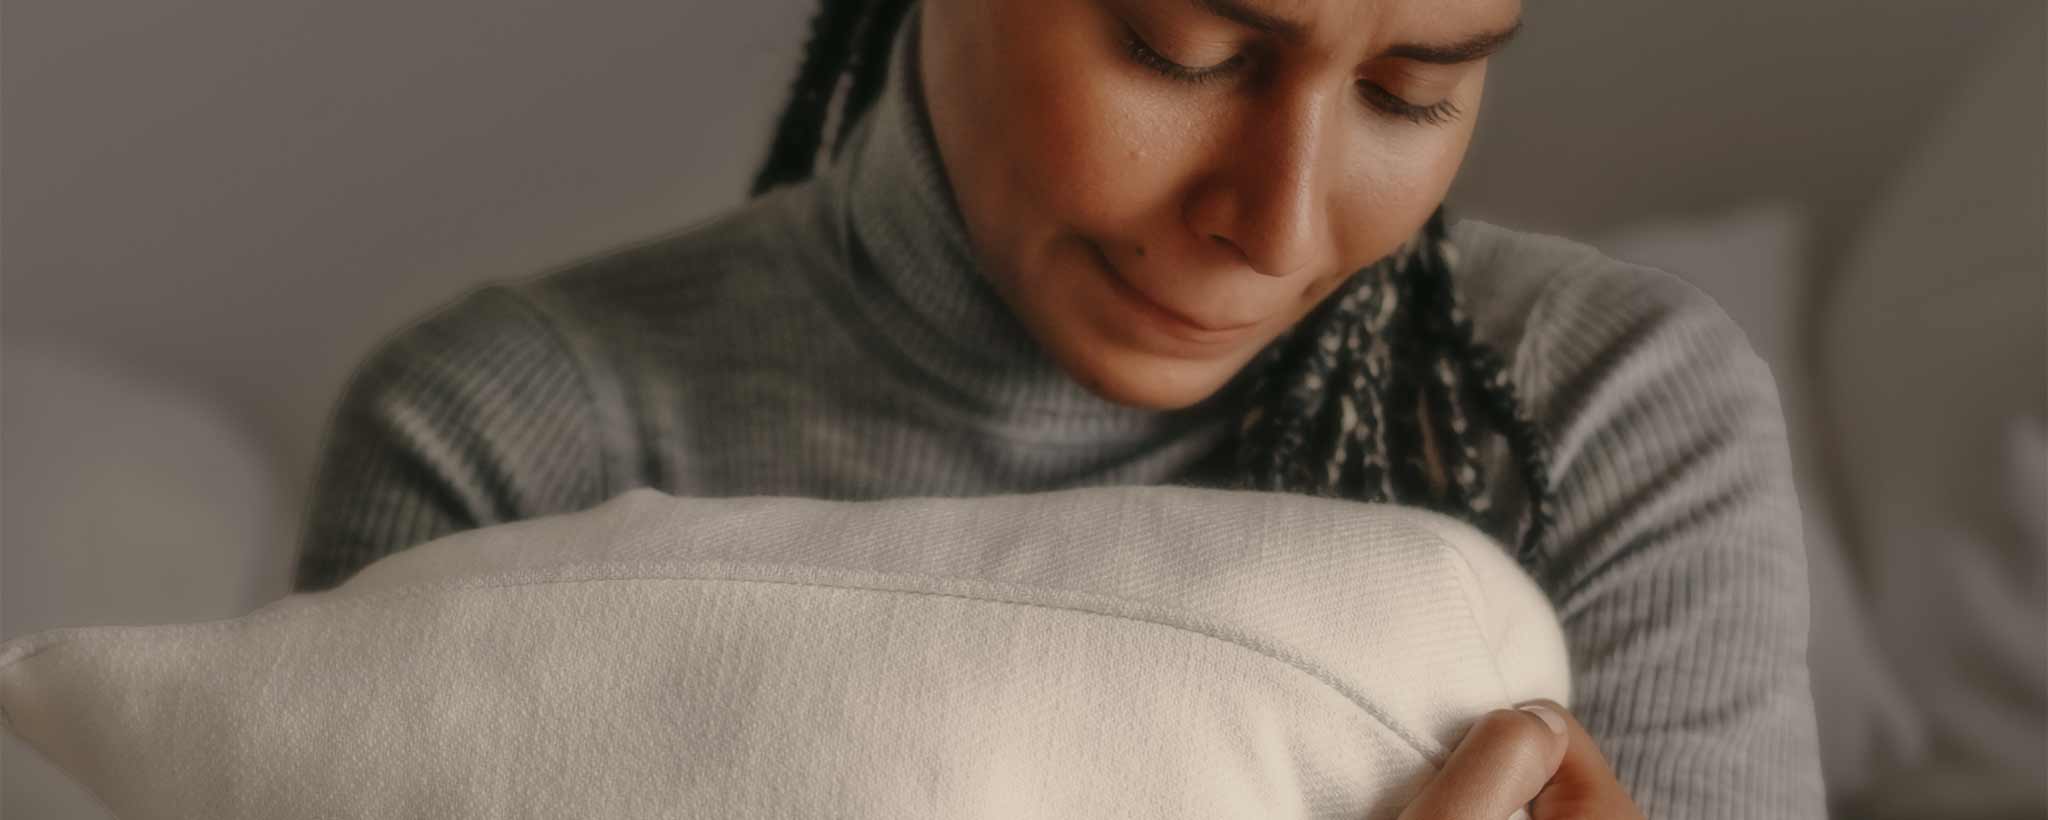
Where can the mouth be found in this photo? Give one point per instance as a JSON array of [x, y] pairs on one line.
[[1166, 319]]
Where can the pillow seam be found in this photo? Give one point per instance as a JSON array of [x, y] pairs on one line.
[[1432, 752]]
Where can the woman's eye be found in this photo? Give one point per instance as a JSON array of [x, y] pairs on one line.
[[1375, 95], [1149, 57], [1388, 102]]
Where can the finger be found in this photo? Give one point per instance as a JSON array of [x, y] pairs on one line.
[[1499, 766], [1584, 784]]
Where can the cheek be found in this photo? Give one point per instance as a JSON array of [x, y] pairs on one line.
[[1030, 151], [1066, 169], [1394, 178], [1095, 150], [1396, 174]]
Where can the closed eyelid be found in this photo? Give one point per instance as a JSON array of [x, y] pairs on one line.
[[1436, 80]]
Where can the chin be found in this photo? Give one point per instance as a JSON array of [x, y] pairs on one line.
[[1147, 381]]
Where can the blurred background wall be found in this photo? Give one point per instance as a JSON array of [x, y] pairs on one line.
[[210, 211]]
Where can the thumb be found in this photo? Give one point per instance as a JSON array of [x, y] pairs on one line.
[[1584, 785], [1501, 764]]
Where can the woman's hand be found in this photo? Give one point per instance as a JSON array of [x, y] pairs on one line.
[[1513, 758]]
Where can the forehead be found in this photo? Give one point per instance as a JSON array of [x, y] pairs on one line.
[[1333, 22]]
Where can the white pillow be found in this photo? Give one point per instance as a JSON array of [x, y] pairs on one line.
[[1108, 652]]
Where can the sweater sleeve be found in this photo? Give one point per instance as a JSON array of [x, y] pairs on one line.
[[475, 415], [1677, 564]]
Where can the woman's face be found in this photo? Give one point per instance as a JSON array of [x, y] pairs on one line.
[[1158, 188]]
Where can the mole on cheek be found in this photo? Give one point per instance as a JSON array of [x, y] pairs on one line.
[[1141, 251]]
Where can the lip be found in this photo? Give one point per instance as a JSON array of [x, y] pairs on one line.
[[1167, 319]]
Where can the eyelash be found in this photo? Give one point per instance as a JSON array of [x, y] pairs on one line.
[[1375, 96], [1149, 58], [1387, 101]]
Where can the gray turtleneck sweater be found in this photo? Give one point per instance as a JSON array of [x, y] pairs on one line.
[[835, 339]]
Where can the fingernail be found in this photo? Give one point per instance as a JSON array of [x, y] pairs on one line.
[[1520, 814], [1550, 717]]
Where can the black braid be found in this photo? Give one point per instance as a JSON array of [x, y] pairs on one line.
[[1325, 419], [802, 127], [1475, 373], [1336, 404], [870, 64]]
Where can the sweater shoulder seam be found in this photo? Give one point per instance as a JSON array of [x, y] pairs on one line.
[[520, 292]]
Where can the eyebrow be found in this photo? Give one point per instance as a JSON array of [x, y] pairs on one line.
[[1237, 12], [1463, 51]]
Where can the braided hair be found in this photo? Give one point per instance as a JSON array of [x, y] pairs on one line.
[[1347, 403]]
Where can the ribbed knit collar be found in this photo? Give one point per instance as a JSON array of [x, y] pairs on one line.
[[925, 301]]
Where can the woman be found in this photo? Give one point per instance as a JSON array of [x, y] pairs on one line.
[[1074, 242]]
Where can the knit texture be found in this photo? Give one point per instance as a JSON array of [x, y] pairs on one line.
[[836, 339]]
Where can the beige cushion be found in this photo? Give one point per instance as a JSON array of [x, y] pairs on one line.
[[1106, 652]]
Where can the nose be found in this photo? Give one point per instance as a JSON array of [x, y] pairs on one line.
[[1265, 198]]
